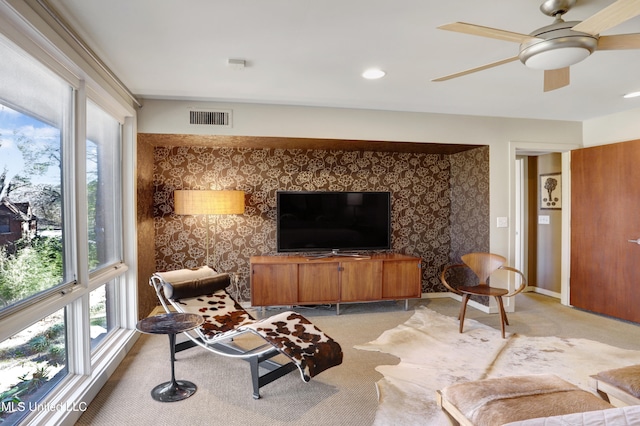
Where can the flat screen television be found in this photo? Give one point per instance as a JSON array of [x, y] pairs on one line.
[[330, 221]]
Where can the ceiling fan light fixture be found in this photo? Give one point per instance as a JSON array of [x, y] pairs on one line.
[[556, 58], [557, 46], [554, 48]]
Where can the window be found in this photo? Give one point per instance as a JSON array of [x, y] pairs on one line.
[[67, 302], [104, 213], [4, 224], [101, 312], [35, 106], [103, 188], [32, 362]]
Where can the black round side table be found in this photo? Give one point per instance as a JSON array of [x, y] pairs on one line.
[[171, 324]]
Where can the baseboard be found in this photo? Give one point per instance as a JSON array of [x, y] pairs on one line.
[[544, 291], [472, 303], [440, 295]]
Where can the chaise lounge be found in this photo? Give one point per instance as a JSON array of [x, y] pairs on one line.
[[202, 291]]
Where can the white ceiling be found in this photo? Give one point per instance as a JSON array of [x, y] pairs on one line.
[[303, 52]]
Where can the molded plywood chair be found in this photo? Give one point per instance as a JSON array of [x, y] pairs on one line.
[[483, 265]]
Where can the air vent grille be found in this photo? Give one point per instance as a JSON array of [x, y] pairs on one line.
[[210, 118]]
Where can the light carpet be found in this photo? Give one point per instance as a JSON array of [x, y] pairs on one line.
[[433, 354]]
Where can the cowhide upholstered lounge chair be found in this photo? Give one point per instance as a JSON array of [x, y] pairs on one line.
[[202, 291]]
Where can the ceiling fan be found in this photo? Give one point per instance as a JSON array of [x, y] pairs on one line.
[[555, 47]]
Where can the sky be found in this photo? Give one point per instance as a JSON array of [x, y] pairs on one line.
[[35, 131]]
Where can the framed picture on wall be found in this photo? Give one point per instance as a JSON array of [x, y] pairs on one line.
[[551, 191]]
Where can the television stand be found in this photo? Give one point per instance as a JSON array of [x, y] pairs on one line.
[[334, 279], [336, 253]]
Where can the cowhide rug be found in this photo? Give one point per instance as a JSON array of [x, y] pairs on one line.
[[433, 354]]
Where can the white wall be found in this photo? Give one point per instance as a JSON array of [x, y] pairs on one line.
[[172, 117], [620, 127]]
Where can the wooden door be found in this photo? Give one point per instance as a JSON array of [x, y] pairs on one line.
[[605, 215], [274, 284], [401, 279], [360, 281], [318, 282]]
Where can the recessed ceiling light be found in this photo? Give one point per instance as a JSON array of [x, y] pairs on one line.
[[373, 73], [632, 95]]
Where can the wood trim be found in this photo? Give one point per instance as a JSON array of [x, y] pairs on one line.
[[265, 142]]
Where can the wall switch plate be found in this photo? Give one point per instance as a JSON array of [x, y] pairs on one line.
[[543, 219], [502, 222]]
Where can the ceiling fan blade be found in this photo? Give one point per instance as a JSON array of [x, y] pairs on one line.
[[472, 70], [555, 79], [479, 30], [609, 17], [619, 42]]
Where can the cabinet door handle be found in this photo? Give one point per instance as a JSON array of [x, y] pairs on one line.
[[635, 241]]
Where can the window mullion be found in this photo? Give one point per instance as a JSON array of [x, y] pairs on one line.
[[78, 332], [78, 313], [79, 185]]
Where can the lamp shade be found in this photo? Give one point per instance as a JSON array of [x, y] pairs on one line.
[[187, 202]]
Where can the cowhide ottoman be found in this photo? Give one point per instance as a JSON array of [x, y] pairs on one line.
[[622, 384], [503, 400]]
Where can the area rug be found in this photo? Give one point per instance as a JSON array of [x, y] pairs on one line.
[[433, 354]]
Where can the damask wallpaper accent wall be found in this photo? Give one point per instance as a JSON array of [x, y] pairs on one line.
[[440, 203], [469, 203]]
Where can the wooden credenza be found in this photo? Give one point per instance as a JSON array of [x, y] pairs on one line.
[[299, 280]]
